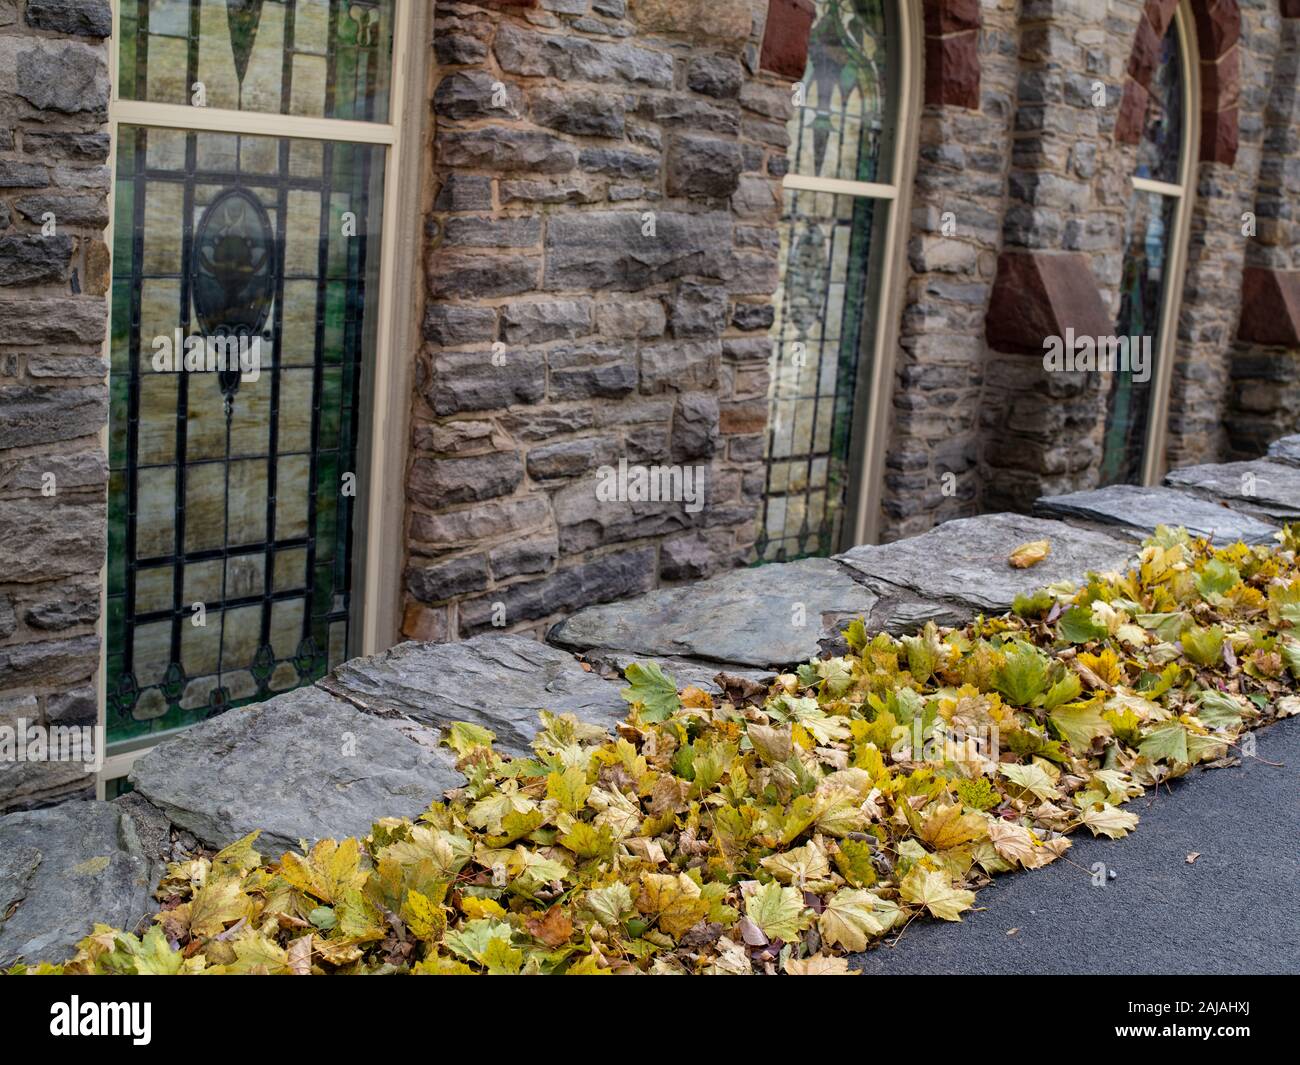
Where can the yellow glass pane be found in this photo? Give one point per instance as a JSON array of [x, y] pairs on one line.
[[155, 533]]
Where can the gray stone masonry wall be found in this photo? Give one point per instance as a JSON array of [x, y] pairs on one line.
[[1006, 429], [54, 272], [281, 766], [1264, 397], [601, 255]]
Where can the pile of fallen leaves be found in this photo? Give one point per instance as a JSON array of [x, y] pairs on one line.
[[773, 830]]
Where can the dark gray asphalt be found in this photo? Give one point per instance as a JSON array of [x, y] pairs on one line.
[[1235, 910]]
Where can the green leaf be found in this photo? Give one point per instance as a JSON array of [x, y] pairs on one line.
[[1167, 743], [1216, 580], [1022, 678], [1079, 725], [1078, 626], [1203, 646], [656, 692], [778, 911]]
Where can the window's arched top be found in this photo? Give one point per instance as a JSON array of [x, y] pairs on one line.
[[845, 106], [1164, 125]]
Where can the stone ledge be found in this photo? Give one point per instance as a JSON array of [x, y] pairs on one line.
[[768, 616], [302, 766], [962, 564], [1136, 510], [1267, 490], [65, 868], [499, 681]]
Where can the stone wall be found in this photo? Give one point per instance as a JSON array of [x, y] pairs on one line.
[[601, 253], [976, 403], [1264, 399], [54, 272]]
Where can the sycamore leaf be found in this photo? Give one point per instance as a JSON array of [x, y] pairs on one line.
[[852, 917], [464, 736], [935, 892], [1079, 725], [1107, 820], [799, 866], [947, 827], [650, 688], [1203, 646], [674, 901], [610, 904], [570, 789], [819, 965], [1022, 678], [1030, 554], [1032, 778], [778, 911], [1167, 743], [473, 939], [1078, 626]]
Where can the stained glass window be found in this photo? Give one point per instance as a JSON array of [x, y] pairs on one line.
[[229, 487], [1148, 237], [840, 131], [320, 58]]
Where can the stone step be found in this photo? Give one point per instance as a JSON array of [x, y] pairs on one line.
[[766, 617], [1286, 450], [1136, 510], [62, 870], [684, 671], [304, 765], [960, 569], [1267, 490], [499, 681]]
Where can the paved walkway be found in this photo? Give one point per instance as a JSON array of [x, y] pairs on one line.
[[1235, 910]]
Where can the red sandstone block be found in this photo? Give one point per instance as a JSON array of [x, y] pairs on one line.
[[1132, 112], [785, 37], [1221, 82], [952, 70], [1161, 13], [1270, 307], [1218, 26], [951, 16], [1146, 53], [1291, 8], [1042, 294], [1219, 136]]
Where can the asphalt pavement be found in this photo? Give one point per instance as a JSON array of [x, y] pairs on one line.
[[1234, 909]]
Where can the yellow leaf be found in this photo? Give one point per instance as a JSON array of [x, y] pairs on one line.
[[1030, 554], [935, 892]]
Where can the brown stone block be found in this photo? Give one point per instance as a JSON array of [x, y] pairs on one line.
[[952, 70], [1132, 111], [1270, 307], [951, 16], [1160, 13], [1042, 294], [1219, 136], [785, 37], [419, 622], [1218, 26], [1221, 82], [1146, 53]]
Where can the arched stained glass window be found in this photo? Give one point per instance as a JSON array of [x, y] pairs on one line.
[[1151, 276], [836, 206]]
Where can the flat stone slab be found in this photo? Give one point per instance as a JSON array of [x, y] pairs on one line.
[[960, 568], [1286, 450], [1269, 490], [304, 765], [62, 870], [1137, 509], [766, 616], [501, 682]]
